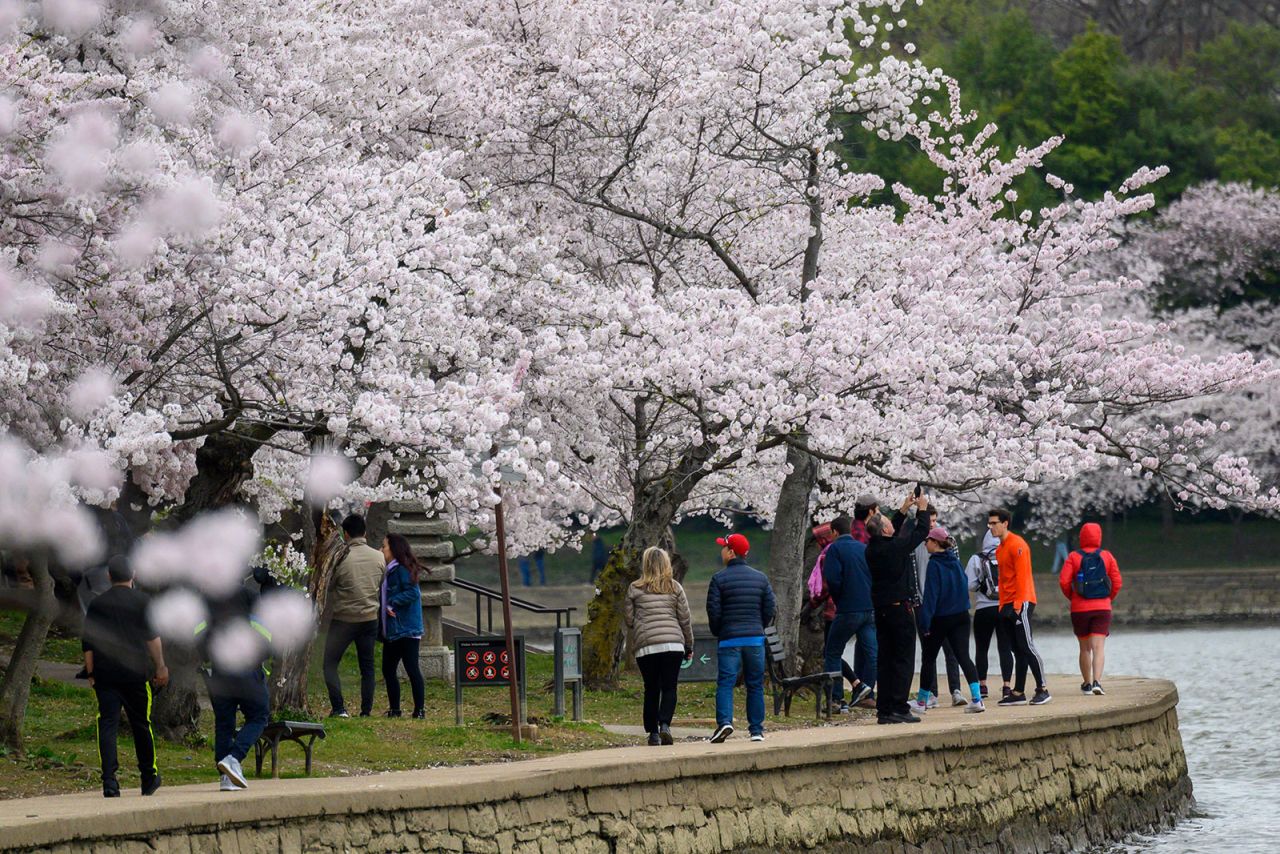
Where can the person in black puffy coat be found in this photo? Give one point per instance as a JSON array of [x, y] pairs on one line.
[[740, 604]]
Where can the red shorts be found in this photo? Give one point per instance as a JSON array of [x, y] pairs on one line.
[[1085, 623]]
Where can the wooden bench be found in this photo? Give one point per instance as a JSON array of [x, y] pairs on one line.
[[785, 687], [278, 731]]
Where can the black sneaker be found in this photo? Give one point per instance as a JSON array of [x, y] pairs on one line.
[[420, 713], [654, 741], [391, 713], [1042, 696], [340, 713], [898, 718], [1097, 688], [983, 686], [1086, 687], [110, 788], [149, 788], [721, 733], [664, 734], [1004, 691], [863, 692], [843, 708], [1013, 698]]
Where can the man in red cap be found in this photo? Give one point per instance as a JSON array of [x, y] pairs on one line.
[[740, 604]]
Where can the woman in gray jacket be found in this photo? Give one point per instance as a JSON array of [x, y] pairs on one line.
[[656, 612]]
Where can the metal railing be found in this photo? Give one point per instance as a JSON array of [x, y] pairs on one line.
[[486, 596]]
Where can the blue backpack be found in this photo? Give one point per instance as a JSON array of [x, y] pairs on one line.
[[1092, 581]]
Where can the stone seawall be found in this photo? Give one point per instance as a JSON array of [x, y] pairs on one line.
[[1055, 778]]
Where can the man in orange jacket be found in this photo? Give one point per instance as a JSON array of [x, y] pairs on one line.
[[1017, 604], [1090, 578]]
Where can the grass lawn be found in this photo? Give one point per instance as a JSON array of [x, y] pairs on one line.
[[62, 751]]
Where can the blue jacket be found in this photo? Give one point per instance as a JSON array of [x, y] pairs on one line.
[[403, 596], [740, 602], [848, 578], [946, 589]]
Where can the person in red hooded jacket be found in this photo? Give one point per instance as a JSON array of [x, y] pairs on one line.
[[1082, 581]]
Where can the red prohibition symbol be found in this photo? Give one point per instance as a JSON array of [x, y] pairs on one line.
[[490, 673], [473, 673], [473, 657], [504, 658], [506, 672], [490, 657]]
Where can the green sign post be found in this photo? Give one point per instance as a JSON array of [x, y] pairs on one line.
[[568, 668]]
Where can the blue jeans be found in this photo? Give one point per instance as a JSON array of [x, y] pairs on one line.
[[251, 700], [750, 661], [861, 624]]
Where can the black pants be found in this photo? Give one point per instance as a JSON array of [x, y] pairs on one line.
[[929, 674], [952, 629], [987, 622], [661, 672], [896, 639], [135, 699], [1025, 653], [393, 653], [844, 665], [342, 635]]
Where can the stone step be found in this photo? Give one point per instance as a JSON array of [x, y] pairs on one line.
[[420, 527]]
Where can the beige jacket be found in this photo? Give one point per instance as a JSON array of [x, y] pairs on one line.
[[357, 583], [654, 618]]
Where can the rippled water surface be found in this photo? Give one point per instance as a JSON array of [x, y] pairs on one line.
[[1229, 712]]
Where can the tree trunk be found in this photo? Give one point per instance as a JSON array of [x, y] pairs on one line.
[[223, 463], [787, 572], [15, 689], [811, 643], [289, 686]]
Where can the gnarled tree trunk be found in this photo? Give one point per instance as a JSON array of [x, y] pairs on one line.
[[289, 686], [787, 572], [223, 464], [15, 689]]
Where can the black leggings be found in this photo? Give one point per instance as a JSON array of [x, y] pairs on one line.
[[953, 628], [1025, 653], [844, 665], [661, 672], [396, 651], [986, 622]]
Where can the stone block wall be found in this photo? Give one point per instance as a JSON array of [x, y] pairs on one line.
[[1037, 783]]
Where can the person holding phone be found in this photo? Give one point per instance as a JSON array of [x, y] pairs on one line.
[[656, 613]]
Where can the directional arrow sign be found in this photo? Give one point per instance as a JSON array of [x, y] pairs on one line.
[[705, 658], [703, 667]]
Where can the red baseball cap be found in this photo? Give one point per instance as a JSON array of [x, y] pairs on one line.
[[736, 542]]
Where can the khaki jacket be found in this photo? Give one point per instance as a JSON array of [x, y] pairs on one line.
[[357, 582], [657, 618]]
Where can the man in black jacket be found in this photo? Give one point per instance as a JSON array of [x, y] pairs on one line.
[[119, 644], [740, 604], [889, 557]]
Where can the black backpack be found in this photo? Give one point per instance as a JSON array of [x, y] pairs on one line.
[[1092, 581], [988, 576]]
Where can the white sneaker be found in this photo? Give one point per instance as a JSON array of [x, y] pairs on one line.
[[230, 766], [225, 784], [957, 699], [759, 736], [974, 707], [919, 708]]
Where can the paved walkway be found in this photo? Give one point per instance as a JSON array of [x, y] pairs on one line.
[[54, 819]]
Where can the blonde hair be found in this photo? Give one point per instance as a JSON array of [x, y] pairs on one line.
[[655, 572]]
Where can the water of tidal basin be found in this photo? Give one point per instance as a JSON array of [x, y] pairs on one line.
[[1229, 713]]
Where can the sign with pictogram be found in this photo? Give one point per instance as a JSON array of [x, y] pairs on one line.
[[483, 662], [703, 667]]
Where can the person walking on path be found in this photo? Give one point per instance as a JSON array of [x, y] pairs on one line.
[[892, 582], [929, 677], [740, 604], [235, 687], [117, 643], [656, 613], [848, 580], [357, 580], [1091, 580], [944, 616], [400, 616], [539, 558], [984, 580], [1017, 606]]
